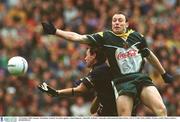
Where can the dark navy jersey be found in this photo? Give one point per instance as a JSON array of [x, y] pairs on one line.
[[100, 78], [121, 50]]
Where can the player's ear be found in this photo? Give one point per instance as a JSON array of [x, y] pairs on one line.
[[94, 55], [127, 24]]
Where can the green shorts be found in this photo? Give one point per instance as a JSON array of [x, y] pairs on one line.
[[131, 84]]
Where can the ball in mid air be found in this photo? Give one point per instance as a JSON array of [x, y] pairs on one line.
[[17, 65]]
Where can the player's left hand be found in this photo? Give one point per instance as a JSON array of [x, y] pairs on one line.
[[167, 78], [47, 89]]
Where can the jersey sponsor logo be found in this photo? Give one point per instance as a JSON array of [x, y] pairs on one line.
[[129, 53], [128, 60]]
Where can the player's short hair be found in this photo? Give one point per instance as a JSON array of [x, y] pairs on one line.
[[123, 13], [100, 55]]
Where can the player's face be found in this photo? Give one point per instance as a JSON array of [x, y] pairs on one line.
[[119, 23], [90, 58]]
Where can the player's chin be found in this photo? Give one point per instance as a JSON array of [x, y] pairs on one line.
[[117, 30], [88, 65]]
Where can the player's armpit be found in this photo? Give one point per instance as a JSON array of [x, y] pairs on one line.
[[153, 60], [144, 52]]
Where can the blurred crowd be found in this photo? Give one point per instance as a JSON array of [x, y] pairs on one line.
[[60, 63]]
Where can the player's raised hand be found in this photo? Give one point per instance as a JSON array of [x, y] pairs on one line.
[[167, 78], [48, 28], [47, 89]]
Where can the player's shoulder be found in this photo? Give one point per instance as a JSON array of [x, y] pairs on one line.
[[108, 32], [100, 35], [135, 33], [103, 33], [101, 68]]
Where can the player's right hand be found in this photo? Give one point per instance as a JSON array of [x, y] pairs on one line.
[[47, 89], [48, 28]]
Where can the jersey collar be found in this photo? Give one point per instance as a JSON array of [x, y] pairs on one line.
[[125, 35]]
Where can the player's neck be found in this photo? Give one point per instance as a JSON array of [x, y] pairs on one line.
[[124, 31], [95, 63]]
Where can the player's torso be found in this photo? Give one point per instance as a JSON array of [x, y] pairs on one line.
[[103, 87], [122, 52], [102, 82]]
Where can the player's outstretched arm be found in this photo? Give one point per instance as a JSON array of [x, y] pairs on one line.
[[44, 87], [49, 28], [72, 91], [156, 64]]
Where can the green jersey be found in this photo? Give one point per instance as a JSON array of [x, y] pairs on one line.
[[121, 50]]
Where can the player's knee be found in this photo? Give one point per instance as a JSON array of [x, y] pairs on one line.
[[161, 111], [124, 112]]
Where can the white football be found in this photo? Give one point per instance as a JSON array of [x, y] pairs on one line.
[[17, 65]]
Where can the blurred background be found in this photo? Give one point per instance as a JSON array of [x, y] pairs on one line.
[[60, 63]]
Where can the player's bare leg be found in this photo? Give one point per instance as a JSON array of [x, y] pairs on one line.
[[152, 99], [124, 105]]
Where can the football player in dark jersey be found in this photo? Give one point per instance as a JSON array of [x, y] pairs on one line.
[[126, 51], [98, 78]]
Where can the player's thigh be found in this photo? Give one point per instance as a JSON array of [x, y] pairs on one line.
[[124, 104], [151, 97]]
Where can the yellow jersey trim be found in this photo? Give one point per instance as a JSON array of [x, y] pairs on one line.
[[100, 33], [124, 35]]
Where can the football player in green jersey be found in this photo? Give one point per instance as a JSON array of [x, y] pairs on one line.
[[126, 51]]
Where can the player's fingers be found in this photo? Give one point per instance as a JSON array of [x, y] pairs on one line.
[[42, 87]]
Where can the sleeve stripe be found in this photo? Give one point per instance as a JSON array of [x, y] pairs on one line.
[[92, 38], [89, 81], [111, 46]]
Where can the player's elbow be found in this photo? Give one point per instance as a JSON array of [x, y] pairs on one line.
[[79, 90], [151, 56]]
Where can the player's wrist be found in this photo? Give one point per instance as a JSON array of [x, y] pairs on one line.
[[163, 72], [73, 92], [58, 92], [167, 77]]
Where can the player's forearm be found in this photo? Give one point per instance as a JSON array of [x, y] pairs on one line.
[[72, 91], [72, 36], [69, 92], [155, 62]]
